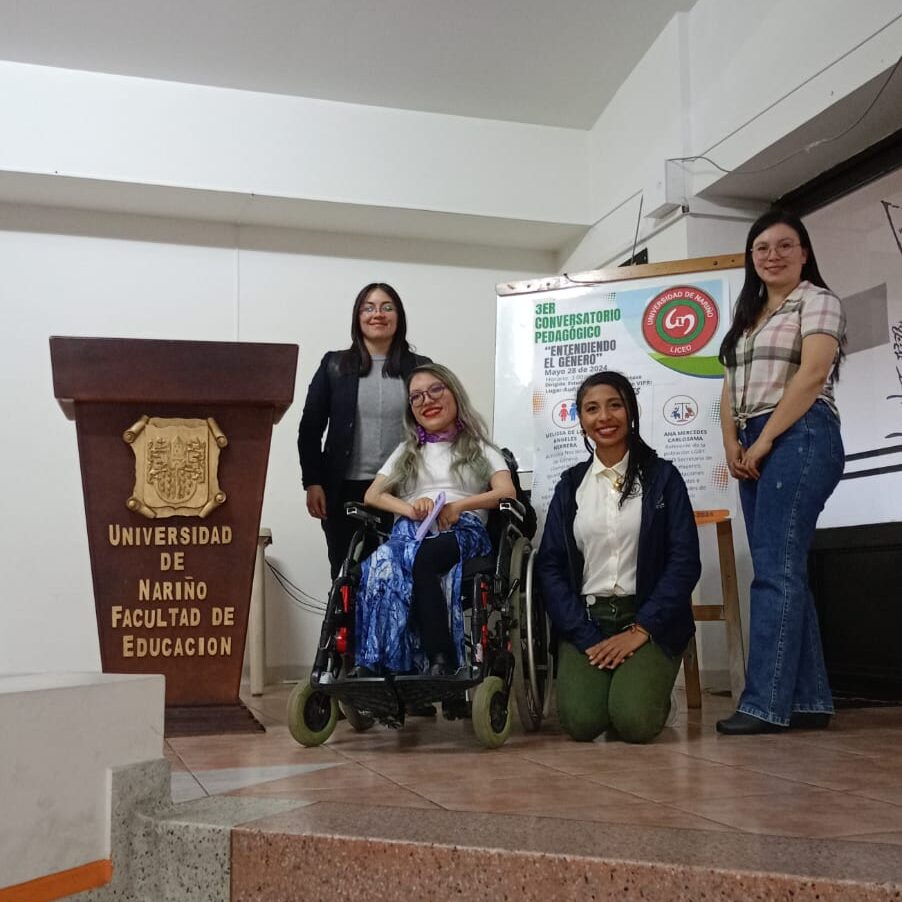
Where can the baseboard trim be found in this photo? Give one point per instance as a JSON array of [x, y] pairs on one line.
[[62, 883]]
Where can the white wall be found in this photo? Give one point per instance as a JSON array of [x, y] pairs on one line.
[[66, 273], [759, 71], [643, 125], [856, 251], [731, 80], [139, 131]]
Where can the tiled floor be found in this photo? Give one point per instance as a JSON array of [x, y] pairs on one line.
[[843, 783]]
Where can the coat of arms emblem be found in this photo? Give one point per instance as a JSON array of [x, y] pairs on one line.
[[176, 467]]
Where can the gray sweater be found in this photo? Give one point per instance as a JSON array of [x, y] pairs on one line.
[[379, 418]]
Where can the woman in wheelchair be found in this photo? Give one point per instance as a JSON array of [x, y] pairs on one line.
[[405, 622], [617, 564]]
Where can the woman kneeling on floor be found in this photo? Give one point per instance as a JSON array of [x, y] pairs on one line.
[[407, 621], [618, 562]]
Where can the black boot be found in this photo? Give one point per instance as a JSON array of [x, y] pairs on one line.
[[740, 724]]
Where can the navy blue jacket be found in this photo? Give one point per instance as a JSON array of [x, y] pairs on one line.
[[667, 570], [332, 400]]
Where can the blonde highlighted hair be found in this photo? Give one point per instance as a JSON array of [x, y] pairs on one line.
[[466, 448]]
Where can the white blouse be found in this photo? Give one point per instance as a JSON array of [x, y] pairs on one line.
[[435, 475], [607, 534]]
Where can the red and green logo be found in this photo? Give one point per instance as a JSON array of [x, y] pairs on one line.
[[680, 321]]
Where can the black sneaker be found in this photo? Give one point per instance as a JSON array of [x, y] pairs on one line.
[[741, 724], [440, 666], [361, 672]]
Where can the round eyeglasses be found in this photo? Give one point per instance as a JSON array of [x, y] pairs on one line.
[[418, 398], [781, 249], [370, 309]]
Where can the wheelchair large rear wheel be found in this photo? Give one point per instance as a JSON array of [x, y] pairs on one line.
[[358, 721], [492, 712], [312, 714], [530, 641]]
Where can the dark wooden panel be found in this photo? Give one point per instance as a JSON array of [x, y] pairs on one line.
[[856, 577], [190, 372], [172, 592], [198, 673], [209, 720]]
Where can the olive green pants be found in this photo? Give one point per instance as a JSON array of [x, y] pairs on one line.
[[633, 700]]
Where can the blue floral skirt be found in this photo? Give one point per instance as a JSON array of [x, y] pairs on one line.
[[384, 639]]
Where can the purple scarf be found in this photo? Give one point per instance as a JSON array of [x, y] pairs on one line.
[[446, 435]]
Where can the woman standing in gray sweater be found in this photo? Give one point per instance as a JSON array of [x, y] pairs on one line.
[[357, 398]]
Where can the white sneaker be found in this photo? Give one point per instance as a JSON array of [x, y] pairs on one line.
[[673, 716]]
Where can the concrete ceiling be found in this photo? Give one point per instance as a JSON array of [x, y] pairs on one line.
[[549, 62]]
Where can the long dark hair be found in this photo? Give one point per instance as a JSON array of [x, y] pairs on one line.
[[641, 454], [753, 296], [357, 357]]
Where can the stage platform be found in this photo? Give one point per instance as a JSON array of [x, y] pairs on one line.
[[424, 813]]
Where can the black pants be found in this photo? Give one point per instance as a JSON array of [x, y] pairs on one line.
[[338, 527], [429, 608]]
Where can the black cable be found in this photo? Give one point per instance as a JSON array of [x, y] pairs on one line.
[[317, 607], [283, 578], [886, 205], [638, 222], [805, 149]]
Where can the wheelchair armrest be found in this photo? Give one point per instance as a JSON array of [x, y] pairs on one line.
[[370, 516], [514, 507]]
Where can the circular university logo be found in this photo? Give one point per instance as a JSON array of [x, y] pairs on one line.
[[680, 321], [680, 410]]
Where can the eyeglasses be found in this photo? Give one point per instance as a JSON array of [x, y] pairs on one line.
[[418, 398], [781, 248], [370, 309]]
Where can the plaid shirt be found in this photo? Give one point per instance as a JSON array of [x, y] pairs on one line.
[[768, 357]]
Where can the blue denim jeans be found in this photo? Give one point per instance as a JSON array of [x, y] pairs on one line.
[[786, 671]]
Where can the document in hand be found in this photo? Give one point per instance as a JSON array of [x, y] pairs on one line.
[[428, 525]]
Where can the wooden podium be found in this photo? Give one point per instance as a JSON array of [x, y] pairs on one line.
[[173, 439]]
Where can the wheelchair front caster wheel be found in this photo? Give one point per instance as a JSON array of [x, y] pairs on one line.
[[358, 721], [492, 712], [312, 714]]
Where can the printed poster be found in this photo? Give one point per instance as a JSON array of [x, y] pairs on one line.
[[664, 337]]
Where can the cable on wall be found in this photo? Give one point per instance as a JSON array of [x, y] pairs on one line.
[[307, 602], [638, 222], [664, 224], [806, 149]]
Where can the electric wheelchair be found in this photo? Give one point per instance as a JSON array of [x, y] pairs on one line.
[[507, 649]]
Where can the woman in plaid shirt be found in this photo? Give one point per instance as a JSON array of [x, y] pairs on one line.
[[782, 442]]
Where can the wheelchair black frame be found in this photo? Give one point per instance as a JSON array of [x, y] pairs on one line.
[[487, 642]]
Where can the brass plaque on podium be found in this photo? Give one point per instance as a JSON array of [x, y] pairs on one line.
[[176, 466]]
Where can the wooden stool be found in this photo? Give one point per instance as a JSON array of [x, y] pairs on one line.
[[727, 611]]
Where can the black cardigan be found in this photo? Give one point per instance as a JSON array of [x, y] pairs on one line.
[[332, 400]]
